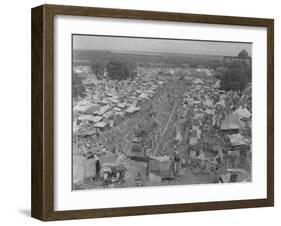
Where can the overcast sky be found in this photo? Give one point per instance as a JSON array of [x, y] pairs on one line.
[[159, 45]]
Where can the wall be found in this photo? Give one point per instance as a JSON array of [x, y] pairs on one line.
[[15, 111]]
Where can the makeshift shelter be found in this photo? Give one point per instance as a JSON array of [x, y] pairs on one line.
[[217, 85], [108, 114], [208, 103], [91, 118], [116, 109], [221, 103], [238, 151], [161, 166], [91, 109], [121, 105], [193, 141], [90, 167], [235, 175], [119, 115], [83, 168], [209, 142], [239, 143], [198, 81], [193, 153], [242, 112], [143, 96], [103, 110], [196, 102], [101, 125], [178, 137], [237, 139], [83, 106], [137, 153], [222, 97], [86, 133], [210, 112], [132, 109], [231, 123]]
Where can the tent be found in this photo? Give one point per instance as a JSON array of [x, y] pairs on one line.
[[103, 110], [231, 122], [223, 97], [198, 81], [210, 140], [132, 109], [101, 124], [210, 112], [237, 140], [193, 141], [90, 168], [108, 114], [242, 112], [87, 133], [83, 106], [217, 85], [221, 102], [137, 153], [235, 175], [208, 103], [83, 168], [91, 109], [143, 96], [121, 105], [90, 118], [161, 166]]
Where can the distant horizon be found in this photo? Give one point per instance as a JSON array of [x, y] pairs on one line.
[[159, 46], [148, 52]]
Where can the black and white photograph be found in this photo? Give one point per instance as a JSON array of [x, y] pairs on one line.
[[160, 112]]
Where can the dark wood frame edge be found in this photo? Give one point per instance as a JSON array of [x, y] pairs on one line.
[[42, 197]]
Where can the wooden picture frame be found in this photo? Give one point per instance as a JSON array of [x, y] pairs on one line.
[[42, 203]]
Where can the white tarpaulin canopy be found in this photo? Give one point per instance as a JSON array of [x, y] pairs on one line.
[[242, 112], [90, 118], [132, 109], [143, 96], [231, 122], [208, 103], [237, 139], [101, 124], [198, 81], [103, 110], [121, 105], [83, 106], [221, 102]]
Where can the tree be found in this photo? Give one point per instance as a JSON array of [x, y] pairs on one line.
[[234, 79], [98, 69], [120, 70], [245, 67], [214, 63], [78, 89], [220, 71]]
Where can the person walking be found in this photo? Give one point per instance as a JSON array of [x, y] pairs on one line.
[[98, 167], [177, 164]]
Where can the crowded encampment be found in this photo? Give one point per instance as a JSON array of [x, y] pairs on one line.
[[163, 124]]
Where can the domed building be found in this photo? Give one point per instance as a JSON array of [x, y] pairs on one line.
[[243, 54]]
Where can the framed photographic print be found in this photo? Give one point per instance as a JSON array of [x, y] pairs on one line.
[[141, 112]]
